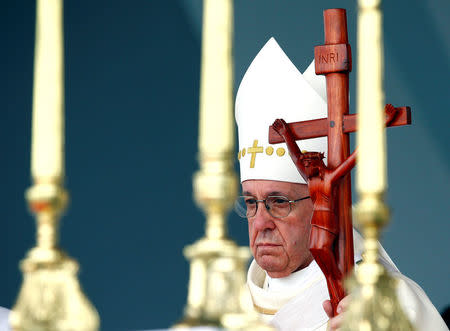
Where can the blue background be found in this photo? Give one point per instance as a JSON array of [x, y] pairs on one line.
[[132, 82]]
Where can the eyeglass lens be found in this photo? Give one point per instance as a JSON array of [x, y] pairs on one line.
[[277, 206]]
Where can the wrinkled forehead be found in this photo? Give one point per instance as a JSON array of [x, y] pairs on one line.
[[262, 188]]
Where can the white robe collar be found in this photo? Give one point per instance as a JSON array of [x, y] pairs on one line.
[[270, 294], [290, 301], [294, 280]]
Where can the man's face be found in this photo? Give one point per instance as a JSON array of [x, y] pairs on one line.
[[280, 245]]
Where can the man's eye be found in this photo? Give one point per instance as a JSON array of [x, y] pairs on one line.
[[279, 201], [250, 202]]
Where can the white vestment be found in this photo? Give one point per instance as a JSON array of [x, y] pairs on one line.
[[4, 323], [295, 302]]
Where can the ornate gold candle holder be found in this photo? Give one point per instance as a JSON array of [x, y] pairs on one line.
[[374, 304], [218, 265], [50, 297]]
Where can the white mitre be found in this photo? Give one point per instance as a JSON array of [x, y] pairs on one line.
[[273, 88]]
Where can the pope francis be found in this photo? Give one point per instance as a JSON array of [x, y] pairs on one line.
[[286, 285]]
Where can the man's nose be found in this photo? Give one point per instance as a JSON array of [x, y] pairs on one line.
[[263, 220]]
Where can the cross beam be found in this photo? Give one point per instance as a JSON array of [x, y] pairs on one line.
[[319, 127]]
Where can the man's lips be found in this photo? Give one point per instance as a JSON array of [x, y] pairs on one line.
[[267, 245], [267, 248]]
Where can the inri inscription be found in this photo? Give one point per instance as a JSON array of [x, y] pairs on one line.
[[332, 58]]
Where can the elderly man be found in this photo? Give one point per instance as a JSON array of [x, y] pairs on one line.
[[286, 284]]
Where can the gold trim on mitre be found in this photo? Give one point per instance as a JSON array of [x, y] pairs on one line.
[[280, 151], [253, 150]]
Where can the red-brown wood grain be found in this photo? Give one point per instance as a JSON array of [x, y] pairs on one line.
[[318, 128], [335, 25], [331, 241]]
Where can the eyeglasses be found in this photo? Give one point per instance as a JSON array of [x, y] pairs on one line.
[[277, 206]]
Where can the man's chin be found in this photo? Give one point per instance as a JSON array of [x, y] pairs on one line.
[[269, 263]]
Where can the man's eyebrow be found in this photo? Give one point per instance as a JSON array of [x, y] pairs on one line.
[[278, 193]]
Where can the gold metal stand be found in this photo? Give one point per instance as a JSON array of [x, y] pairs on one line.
[[218, 265], [50, 298], [374, 304]]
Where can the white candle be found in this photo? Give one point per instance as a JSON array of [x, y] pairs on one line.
[[371, 170], [216, 132], [47, 156]]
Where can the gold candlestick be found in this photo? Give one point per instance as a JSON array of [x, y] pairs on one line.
[[218, 265], [47, 144], [374, 304], [50, 297]]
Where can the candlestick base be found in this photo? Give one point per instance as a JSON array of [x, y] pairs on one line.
[[51, 299], [216, 276], [374, 304]]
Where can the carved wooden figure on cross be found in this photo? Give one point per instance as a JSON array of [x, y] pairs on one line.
[[322, 181], [334, 60]]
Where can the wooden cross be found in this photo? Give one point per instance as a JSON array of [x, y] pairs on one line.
[[334, 61]]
